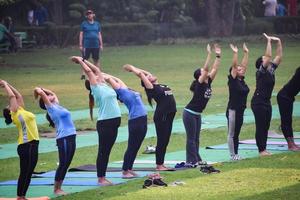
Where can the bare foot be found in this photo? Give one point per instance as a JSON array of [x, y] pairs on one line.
[[21, 198], [265, 153], [60, 192], [163, 168], [127, 175], [133, 173], [104, 182]]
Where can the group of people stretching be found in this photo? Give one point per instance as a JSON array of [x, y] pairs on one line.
[[106, 90]]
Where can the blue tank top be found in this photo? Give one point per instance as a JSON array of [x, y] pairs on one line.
[[133, 102], [62, 120]]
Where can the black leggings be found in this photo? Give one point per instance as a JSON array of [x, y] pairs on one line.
[[66, 149], [28, 154], [262, 115], [163, 126], [137, 129], [286, 114], [107, 132]]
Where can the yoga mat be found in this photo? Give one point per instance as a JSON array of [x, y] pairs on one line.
[[209, 122], [10, 191], [251, 147], [272, 134], [51, 174], [34, 198], [68, 181], [253, 141], [92, 168]]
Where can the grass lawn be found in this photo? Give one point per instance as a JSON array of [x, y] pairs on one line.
[[276, 177]]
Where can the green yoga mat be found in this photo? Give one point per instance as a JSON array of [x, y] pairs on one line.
[[209, 122]]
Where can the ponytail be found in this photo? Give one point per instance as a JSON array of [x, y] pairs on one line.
[[42, 106], [7, 116], [91, 98], [149, 98]]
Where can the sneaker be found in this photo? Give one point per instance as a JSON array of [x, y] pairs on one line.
[[205, 170], [149, 149], [159, 182], [147, 183], [236, 157], [82, 77], [180, 165], [213, 170], [202, 163], [191, 165]]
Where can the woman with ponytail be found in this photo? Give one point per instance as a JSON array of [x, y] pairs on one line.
[[28, 140], [60, 119], [109, 115], [201, 89], [164, 113]]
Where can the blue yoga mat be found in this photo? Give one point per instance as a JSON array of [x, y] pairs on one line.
[[70, 181], [51, 174], [250, 147]]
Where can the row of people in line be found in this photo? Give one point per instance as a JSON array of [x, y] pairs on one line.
[[109, 114]]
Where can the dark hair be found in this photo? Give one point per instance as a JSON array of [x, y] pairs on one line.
[[197, 74], [258, 62], [7, 116], [42, 106], [230, 69], [91, 98], [149, 98]]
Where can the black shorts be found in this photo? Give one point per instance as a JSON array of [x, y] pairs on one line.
[[88, 51]]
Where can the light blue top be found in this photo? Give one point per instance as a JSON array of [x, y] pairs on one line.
[[133, 102], [106, 99], [90, 34], [62, 120]]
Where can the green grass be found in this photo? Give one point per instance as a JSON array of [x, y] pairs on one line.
[[276, 177]]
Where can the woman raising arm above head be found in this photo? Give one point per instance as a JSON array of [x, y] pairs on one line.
[[28, 139], [164, 113], [109, 115]]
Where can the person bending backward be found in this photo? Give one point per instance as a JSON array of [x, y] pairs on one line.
[[285, 99], [109, 115], [201, 89], [238, 92], [60, 119], [137, 121], [28, 139], [164, 113], [260, 102]]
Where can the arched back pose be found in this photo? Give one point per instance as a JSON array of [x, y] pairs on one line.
[[260, 102], [238, 92], [201, 89], [60, 119], [28, 139], [285, 99], [164, 113], [137, 121], [109, 115]]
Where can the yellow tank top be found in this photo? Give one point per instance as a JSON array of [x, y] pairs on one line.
[[26, 124]]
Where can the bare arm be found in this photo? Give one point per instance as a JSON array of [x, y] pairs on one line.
[[100, 41], [13, 104], [131, 68], [80, 40], [204, 73], [245, 60], [213, 72], [234, 61], [41, 92], [268, 52], [278, 57], [47, 92], [86, 69], [141, 74], [115, 82], [18, 95]]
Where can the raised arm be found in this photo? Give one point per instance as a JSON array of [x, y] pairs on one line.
[[245, 60], [86, 69], [213, 72], [43, 94], [278, 57], [13, 104], [142, 74], [115, 82], [204, 73], [268, 52], [18, 95], [234, 60]]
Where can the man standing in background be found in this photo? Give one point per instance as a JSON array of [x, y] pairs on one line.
[[270, 8], [90, 39]]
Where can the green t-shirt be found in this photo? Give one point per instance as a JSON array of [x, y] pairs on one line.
[[3, 30], [106, 99]]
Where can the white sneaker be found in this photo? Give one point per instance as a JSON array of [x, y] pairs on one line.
[[236, 157]]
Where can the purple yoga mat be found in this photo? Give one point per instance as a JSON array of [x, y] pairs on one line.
[[252, 141]]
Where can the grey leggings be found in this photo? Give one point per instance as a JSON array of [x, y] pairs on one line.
[[192, 124]]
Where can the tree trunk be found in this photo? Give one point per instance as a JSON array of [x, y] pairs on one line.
[[56, 11]]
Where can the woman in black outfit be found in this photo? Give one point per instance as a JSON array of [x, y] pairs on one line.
[[164, 113], [238, 92], [260, 103], [285, 99]]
